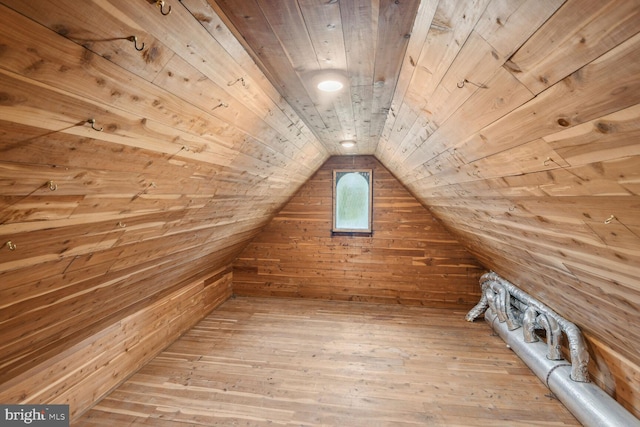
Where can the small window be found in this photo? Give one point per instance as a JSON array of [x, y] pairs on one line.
[[352, 197]]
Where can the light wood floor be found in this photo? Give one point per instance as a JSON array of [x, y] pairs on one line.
[[259, 362]]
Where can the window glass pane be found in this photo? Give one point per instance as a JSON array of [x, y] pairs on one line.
[[352, 200]]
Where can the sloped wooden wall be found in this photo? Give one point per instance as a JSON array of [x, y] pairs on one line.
[[409, 259], [122, 234], [518, 124]]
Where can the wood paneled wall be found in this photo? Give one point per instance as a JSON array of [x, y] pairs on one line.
[[409, 259], [524, 140], [119, 231], [99, 357]]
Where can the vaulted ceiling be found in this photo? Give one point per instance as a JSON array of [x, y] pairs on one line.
[[516, 122], [297, 42]]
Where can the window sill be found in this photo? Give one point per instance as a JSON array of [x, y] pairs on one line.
[[351, 233]]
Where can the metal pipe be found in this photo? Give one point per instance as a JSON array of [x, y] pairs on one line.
[[586, 401], [493, 283], [505, 313], [529, 325], [553, 336]]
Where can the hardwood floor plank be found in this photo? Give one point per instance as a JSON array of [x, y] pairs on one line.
[[255, 362]]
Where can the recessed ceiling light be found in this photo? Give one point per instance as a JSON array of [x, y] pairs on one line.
[[328, 82], [348, 143], [330, 85]]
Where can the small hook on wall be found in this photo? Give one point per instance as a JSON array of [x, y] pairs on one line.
[[241, 79], [222, 104], [121, 225], [160, 4], [608, 220], [12, 246], [92, 122], [462, 83], [52, 186], [134, 39]]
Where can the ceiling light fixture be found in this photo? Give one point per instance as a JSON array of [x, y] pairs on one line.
[[330, 85], [348, 143], [328, 81]]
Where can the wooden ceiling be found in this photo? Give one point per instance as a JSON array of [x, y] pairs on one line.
[[297, 41], [517, 122]]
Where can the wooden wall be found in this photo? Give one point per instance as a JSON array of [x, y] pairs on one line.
[[131, 243], [519, 127], [96, 359], [409, 259]]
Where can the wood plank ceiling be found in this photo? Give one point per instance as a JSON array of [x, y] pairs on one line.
[[517, 122], [295, 42]]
